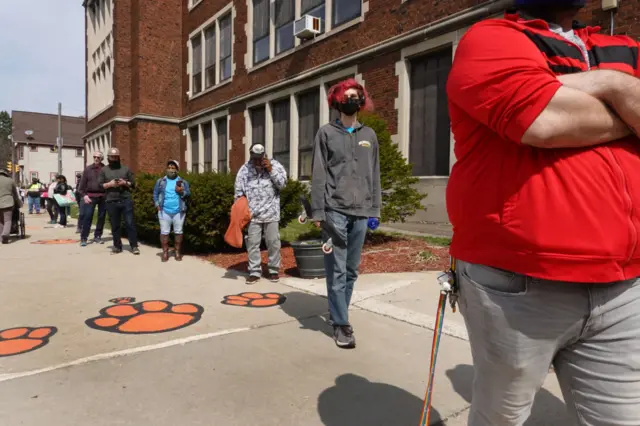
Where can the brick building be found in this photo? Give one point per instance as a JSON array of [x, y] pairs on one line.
[[201, 80]]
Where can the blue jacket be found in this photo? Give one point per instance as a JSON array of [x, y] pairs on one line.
[[161, 185]]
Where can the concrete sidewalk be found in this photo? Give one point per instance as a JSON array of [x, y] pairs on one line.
[[235, 365]]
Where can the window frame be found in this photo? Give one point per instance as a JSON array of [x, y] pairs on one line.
[[197, 126], [280, 153], [218, 63], [216, 122], [334, 23], [308, 149], [33, 148], [195, 154], [208, 159], [80, 151]]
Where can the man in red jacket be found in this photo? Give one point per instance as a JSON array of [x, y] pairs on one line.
[[545, 205]]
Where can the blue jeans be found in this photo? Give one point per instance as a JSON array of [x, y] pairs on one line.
[[341, 266], [166, 220], [34, 201], [87, 217]]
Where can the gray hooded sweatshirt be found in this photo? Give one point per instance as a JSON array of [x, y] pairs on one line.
[[346, 172]]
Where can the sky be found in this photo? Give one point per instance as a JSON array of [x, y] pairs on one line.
[[42, 56]]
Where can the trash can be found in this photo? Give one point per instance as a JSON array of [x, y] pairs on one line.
[[309, 258]]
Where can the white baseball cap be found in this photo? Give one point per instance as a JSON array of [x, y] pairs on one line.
[[257, 151]]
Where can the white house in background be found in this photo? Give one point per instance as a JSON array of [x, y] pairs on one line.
[[35, 135]]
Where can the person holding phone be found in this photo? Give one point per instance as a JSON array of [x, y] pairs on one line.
[[170, 194], [117, 182], [261, 180]]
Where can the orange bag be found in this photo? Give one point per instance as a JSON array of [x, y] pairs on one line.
[[240, 217]]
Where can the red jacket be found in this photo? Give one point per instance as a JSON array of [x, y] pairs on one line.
[[558, 214], [239, 218]]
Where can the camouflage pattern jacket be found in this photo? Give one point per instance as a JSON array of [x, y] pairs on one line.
[[262, 190]]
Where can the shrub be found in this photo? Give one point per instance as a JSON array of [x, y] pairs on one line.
[[208, 208], [399, 198]]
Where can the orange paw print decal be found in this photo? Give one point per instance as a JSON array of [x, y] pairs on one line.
[[150, 316], [255, 300], [55, 242], [20, 340]]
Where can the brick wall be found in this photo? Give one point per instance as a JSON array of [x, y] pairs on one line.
[[626, 19], [379, 75]]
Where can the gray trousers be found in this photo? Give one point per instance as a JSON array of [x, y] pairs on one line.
[[518, 326], [5, 221], [271, 232]]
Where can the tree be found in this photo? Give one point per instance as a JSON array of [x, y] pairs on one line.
[[400, 199], [5, 144]]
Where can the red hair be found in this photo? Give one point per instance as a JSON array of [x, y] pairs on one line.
[[336, 93]]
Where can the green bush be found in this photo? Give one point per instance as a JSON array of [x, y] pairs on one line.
[[399, 198], [208, 209]]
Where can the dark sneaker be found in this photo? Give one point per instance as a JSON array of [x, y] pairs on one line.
[[135, 251], [83, 243], [98, 240], [343, 335], [274, 278], [252, 279], [116, 250]]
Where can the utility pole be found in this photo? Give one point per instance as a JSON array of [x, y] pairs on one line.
[[59, 138]]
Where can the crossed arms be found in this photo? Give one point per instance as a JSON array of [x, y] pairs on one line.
[[507, 85]]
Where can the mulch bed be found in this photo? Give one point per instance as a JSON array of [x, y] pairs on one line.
[[381, 254]]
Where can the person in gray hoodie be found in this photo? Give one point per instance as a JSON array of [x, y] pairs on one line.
[[345, 192], [9, 198]]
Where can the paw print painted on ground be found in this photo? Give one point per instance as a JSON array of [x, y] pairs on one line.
[[255, 300], [20, 340], [150, 316], [54, 242]]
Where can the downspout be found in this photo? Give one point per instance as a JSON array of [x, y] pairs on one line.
[[451, 22]]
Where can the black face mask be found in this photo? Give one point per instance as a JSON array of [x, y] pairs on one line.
[[349, 107], [114, 164]]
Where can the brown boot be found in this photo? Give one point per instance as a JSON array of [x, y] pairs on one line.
[[164, 239], [179, 247]]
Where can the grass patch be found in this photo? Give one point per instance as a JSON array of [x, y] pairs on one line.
[[297, 231]]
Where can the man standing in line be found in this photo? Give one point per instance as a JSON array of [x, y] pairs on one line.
[[261, 180], [117, 182], [346, 192], [33, 195], [545, 205], [92, 194]]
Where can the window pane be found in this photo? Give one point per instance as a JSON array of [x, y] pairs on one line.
[[221, 129], [260, 18], [305, 164], [208, 149], [210, 56], [258, 126], [283, 158], [309, 115], [281, 131], [284, 10], [196, 45], [310, 4], [284, 38], [195, 148], [261, 50], [345, 10], [225, 69]]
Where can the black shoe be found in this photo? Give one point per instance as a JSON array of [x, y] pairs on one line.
[[135, 251], [116, 250], [274, 278], [5, 240], [343, 335], [252, 279], [98, 240]]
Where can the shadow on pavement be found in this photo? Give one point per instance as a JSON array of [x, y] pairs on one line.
[[305, 308], [547, 408], [354, 400]]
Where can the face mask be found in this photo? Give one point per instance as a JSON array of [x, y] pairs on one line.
[[171, 174], [113, 163], [350, 107]]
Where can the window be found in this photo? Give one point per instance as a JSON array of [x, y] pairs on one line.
[[258, 126], [429, 129], [34, 175], [193, 3], [52, 176], [315, 8], [281, 131], [196, 44], [261, 29], [221, 129], [225, 47], [345, 10], [79, 152], [195, 149], [33, 148], [208, 146], [309, 123], [285, 14], [210, 57], [21, 151]]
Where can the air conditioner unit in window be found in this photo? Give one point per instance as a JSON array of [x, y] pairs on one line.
[[307, 27]]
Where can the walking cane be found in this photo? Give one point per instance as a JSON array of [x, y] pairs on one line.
[[447, 289]]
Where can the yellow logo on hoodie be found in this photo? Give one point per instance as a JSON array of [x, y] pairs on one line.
[[365, 144]]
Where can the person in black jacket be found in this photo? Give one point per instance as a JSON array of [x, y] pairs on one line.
[[61, 188], [117, 182]]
